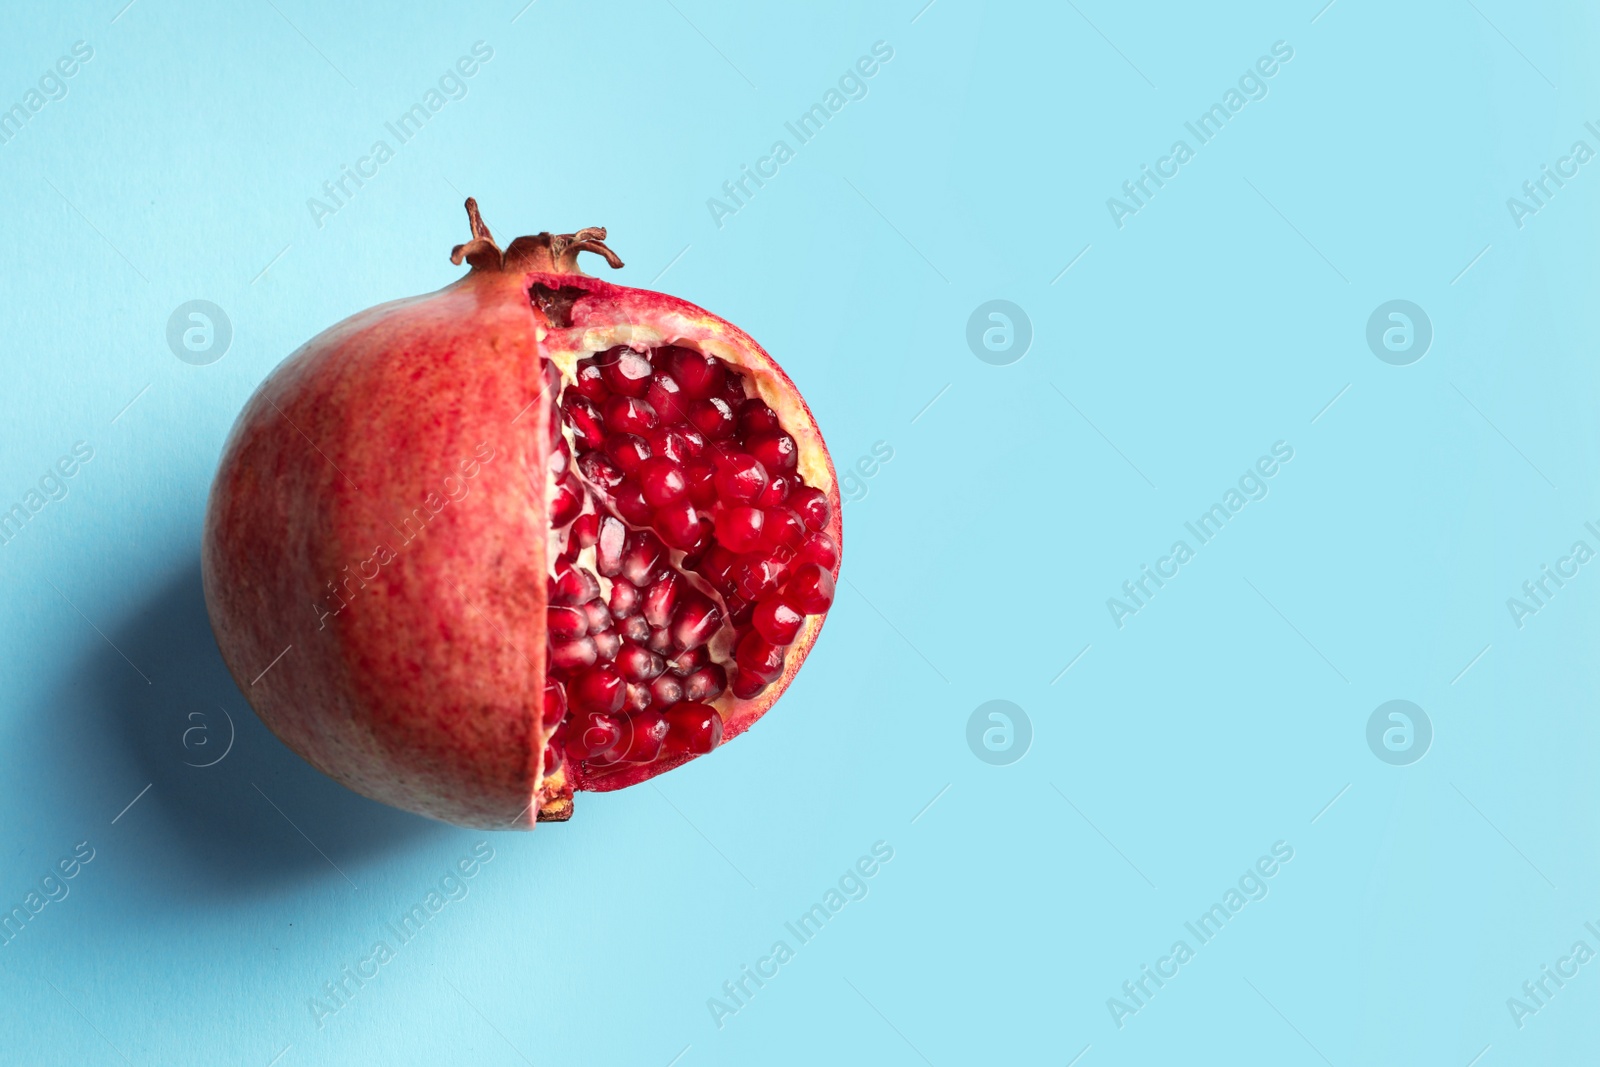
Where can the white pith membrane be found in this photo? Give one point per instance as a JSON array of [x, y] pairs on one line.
[[688, 730]]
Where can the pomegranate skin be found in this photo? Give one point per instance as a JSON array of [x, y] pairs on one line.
[[376, 545], [422, 691]]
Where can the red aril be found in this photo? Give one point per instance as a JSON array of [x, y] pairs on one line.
[[812, 507], [739, 528], [821, 550], [777, 621], [662, 481], [740, 478], [811, 589], [693, 728], [625, 371], [532, 534], [713, 417]]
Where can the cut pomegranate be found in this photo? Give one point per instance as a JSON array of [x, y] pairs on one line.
[[578, 534]]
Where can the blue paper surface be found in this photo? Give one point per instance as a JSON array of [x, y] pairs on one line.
[[1306, 290]]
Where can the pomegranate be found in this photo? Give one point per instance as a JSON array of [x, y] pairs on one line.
[[534, 533]]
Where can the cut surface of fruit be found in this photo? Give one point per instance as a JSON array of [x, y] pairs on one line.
[[643, 561]]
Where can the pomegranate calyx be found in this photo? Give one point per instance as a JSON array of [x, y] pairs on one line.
[[546, 253], [557, 809]]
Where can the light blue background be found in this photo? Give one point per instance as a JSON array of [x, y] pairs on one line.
[[1222, 718]]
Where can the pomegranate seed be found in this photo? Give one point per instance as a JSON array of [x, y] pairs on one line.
[[630, 502], [821, 550], [608, 553], [757, 576], [811, 589], [776, 451], [594, 735], [666, 691], [584, 418], [597, 616], [679, 525], [702, 478], [659, 600], [572, 585], [585, 531], [739, 528], [626, 414], [783, 529], [641, 559], [627, 451], [669, 444], [563, 624], [692, 729], [567, 655], [694, 441], [707, 683], [600, 470], [747, 685], [659, 641], [590, 384], [555, 704], [741, 478], [638, 698], [625, 371], [813, 506], [606, 644], [739, 611], [732, 385], [777, 621], [688, 661], [649, 732], [559, 459], [552, 759], [697, 375], [668, 400], [566, 503], [695, 622], [759, 656], [598, 688], [624, 599], [755, 418], [717, 567], [776, 492], [663, 482], [693, 556], [638, 664], [635, 629], [712, 417]]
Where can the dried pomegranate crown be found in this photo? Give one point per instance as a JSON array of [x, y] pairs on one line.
[[552, 253]]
